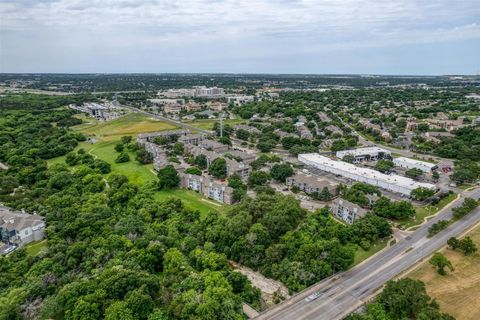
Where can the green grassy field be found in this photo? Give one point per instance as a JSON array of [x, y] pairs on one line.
[[208, 124], [192, 200], [362, 255], [36, 247], [130, 124], [426, 211]]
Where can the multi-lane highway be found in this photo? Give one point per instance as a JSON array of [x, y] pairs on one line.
[[342, 294]]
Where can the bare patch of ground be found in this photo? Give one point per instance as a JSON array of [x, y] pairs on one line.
[[269, 287]]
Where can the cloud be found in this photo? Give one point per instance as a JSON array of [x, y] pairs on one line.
[[230, 28]]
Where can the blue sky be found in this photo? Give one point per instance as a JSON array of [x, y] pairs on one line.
[[261, 36]]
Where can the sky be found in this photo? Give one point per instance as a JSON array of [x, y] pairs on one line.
[[418, 37]]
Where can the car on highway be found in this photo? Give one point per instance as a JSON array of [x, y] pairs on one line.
[[313, 296]]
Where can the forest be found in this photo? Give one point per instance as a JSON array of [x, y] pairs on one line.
[[113, 251]]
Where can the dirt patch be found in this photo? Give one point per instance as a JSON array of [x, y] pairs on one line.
[[458, 292], [269, 287]]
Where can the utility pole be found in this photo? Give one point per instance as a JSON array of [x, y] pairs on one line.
[[221, 124]]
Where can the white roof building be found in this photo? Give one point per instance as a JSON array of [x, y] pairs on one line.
[[391, 182], [412, 163], [369, 153]]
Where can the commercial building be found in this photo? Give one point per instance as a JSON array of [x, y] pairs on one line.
[[208, 187], [310, 183], [239, 100], [98, 111], [18, 228], [365, 154], [408, 163], [347, 211], [391, 182]]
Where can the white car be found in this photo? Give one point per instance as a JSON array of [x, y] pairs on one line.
[[313, 296]]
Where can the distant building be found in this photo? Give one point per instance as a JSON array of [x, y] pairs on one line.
[[310, 183], [98, 111], [365, 154], [408, 163], [19, 229], [150, 136], [194, 138], [242, 156], [347, 211], [239, 100], [208, 187]]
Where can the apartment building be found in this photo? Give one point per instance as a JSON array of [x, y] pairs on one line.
[[310, 183], [19, 229], [347, 211], [208, 187]]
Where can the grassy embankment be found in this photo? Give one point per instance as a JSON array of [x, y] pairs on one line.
[[423, 212], [109, 133], [457, 293]]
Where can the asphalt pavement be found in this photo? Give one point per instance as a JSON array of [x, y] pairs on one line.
[[345, 292]]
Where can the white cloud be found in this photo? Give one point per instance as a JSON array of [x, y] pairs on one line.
[[230, 28]]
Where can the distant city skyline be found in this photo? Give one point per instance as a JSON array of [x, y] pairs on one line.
[[266, 36]]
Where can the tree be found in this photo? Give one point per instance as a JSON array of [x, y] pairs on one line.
[[467, 206], [118, 311], [225, 140], [439, 261], [466, 245], [413, 173], [101, 166], [194, 170], [348, 158], [258, 178], [407, 299], [265, 145], [242, 134], [168, 178], [396, 209], [126, 139], [122, 157], [119, 147], [201, 161], [384, 165], [281, 172], [218, 168], [435, 175], [143, 156], [178, 148], [422, 193]]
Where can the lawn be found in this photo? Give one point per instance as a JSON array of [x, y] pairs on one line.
[[426, 211], [130, 124], [362, 255], [104, 150], [458, 292], [192, 200], [36, 247], [208, 124]]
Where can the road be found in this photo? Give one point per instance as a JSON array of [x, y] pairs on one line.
[[344, 293]]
